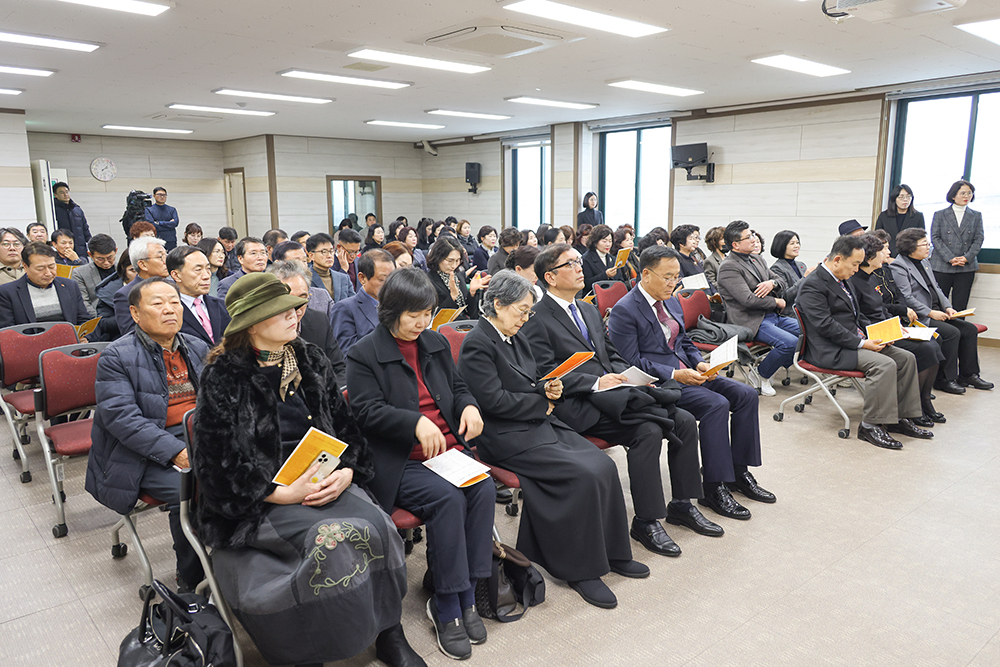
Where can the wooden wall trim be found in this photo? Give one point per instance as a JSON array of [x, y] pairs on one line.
[[272, 179]]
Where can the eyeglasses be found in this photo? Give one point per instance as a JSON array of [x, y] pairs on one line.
[[667, 279], [257, 254], [924, 244], [575, 263], [525, 314], [903, 195], [12, 244], [325, 253]]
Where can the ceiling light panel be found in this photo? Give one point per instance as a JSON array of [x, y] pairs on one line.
[[10, 91], [48, 42], [793, 64], [989, 30], [349, 80], [131, 6], [645, 87], [272, 96], [7, 69], [235, 112], [416, 61], [584, 18], [396, 123], [467, 114], [129, 128], [551, 103]]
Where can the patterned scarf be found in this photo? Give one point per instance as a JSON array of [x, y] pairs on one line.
[[290, 375]]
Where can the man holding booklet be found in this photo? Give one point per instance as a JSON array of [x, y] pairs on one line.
[[647, 326], [639, 418]]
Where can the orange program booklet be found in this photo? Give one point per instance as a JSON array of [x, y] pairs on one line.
[[570, 364], [315, 447], [622, 257], [887, 331]]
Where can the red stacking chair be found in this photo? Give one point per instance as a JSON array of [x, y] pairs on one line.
[[67, 375], [982, 328], [824, 384], [455, 332], [607, 293], [20, 346]]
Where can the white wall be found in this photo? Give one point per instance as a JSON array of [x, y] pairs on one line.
[[18, 203], [191, 171], [251, 155], [445, 192]]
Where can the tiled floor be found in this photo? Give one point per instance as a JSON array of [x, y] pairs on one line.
[[870, 557]]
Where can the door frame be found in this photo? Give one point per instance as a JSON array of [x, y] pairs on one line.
[[246, 212], [329, 198]]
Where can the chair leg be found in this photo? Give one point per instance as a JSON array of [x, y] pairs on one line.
[[128, 522], [54, 468], [18, 442]]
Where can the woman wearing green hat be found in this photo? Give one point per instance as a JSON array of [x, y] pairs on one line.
[[315, 572]]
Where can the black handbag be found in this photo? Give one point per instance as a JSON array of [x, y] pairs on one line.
[[184, 630], [513, 581]]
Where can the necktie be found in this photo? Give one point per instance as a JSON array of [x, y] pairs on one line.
[[854, 306], [671, 324], [579, 323], [202, 315]]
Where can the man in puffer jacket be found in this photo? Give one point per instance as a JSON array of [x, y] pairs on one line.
[[69, 216]]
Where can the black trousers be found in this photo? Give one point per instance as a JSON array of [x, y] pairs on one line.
[[958, 340], [956, 287], [643, 444], [164, 484]]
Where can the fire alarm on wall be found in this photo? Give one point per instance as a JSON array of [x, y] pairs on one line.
[[75, 138]]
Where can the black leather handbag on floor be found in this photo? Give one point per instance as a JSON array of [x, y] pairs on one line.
[[514, 580], [182, 631]]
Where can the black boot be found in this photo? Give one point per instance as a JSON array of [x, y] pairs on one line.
[[392, 648]]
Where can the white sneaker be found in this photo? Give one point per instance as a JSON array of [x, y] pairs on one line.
[[765, 387]]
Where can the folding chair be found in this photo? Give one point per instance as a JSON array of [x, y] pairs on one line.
[[119, 549], [67, 375], [455, 332], [824, 384], [20, 346], [608, 293], [188, 494]]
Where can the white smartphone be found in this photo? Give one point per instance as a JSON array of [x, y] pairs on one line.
[[327, 464]]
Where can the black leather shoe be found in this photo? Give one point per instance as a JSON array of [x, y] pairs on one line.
[[878, 437], [595, 592], [451, 636], [908, 428], [651, 535], [632, 569], [690, 516], [949, 387], [392, 648], [721, 501], [936, 417], [474, 625], [975, 382], [747, 485], [923, 421]]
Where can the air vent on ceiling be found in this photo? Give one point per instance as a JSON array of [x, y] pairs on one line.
[[185, 118], [493, 38], [886, 10], [365, 67]]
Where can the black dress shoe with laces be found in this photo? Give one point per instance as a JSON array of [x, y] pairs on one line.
[[949, 387], [651, 535], [747, 485], [908, 428], [936, 417], [923, 421], [878, 437], [975, 382], [688, 515], [721, 501]]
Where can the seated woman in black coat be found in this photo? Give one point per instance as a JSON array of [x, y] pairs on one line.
[[599, 261], [785, 248], [444, 266], [574, 523], [314, 571], [413, 405]]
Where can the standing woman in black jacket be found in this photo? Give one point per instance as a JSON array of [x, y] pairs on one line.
[[315, 571], [413, 405], [899, 215], [589, 215]]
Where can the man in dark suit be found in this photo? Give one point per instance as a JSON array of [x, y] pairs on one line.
[[39, 295], [647, 327], [149, 258], [205, 316], [836, 339], [563, 326], [353, 319], [102, 250]]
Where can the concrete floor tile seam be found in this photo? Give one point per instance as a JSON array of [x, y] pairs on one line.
[[995, 637]]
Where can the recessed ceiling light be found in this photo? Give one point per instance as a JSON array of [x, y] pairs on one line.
[[467, 114], [349, 80], [235, 112], [31, 40], [129, 128], [551, 103], [6, 69], [272, 96], [395, 123], [415, 61], [557, 11], [656, 88], [801, 66], [10, 91], [132, 6], [989, 30]]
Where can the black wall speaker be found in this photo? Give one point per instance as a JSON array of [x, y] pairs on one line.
[[472, 172]]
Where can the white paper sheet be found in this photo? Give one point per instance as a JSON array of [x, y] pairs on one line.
[[697, 281], [458, 468], [723, 355], [919, 333], [636, 378]]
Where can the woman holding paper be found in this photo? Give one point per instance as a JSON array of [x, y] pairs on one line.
[[314, 571], [574, 522], [444, 266], [868, 286], [599, 262], [413, 405]]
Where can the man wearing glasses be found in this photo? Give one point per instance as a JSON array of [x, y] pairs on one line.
[[639, 418], [11, 245], [323, 256], [164, 218], [251, 253]]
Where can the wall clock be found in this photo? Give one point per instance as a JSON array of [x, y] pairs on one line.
[[103, 169]]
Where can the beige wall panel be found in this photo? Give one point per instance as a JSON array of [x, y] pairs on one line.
[[302, 184], [255, 184], [802, 171], [713, 125], [490, 183], [15, 177], [13, 148], [737, 201], [831, 113], [856, 138], [850, 199], [563, 179], [723, 176], [18, 207], [407, 167], [352, 148], [400, 186]]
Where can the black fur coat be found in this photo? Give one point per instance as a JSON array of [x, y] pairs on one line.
[[237, 440]]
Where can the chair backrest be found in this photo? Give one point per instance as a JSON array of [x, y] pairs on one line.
[[455, 333], [694, 303], [607, 293], [68, 375], [800, 346], [21, 344]]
